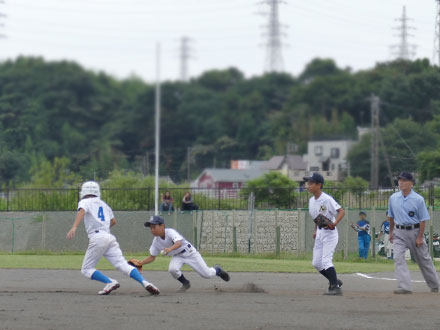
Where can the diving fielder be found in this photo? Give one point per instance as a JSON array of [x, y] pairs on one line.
[[168, 241], [98, 218], [326, 238]]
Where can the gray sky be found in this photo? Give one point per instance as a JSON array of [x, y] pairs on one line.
[[119, 36]]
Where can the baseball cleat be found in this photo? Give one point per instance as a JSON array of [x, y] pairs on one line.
[[402, 291], [152, 289], [434, 290], [221, 273], [113, 285], [340, 283], [185, 286], [333, 291]]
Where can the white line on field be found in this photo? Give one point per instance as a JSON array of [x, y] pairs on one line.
[[383, 278]]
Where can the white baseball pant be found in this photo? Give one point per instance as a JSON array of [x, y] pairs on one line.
[[103, 244], [193, 259], [324, 248]]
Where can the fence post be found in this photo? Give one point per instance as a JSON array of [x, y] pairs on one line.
[[346, 236], [278, 240], [431, 229], [218, 193], [373, 234], [149, 197], [7, 199], [234, 239]]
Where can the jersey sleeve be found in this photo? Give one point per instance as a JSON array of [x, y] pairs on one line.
[[390, 207], [423, 211], [175, 236], [333, 206], [83, 205], [154, 250]]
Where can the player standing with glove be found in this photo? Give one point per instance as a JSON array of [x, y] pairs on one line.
[[98, 218], [168, 241], [327, 214]]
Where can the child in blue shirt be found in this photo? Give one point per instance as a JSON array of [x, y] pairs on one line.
[[363, 229]]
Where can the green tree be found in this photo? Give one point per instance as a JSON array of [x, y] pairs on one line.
[[273, 189]]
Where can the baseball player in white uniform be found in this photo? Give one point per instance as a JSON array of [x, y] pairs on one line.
[[326, 239], [168, 241], [98, 218]]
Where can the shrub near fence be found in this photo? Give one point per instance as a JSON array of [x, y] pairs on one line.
[[142, 199]]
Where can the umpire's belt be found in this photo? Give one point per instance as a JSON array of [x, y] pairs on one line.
[[325, 228], [417, 225], [184, 250]]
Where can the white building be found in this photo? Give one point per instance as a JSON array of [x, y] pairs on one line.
[[329, 158]]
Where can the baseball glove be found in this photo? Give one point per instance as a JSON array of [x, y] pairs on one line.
[[135, 263], [324, 222]]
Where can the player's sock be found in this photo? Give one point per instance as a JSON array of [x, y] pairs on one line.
[[331, 272], [324, 273], [182, 279], [98, 276], [134, 274]]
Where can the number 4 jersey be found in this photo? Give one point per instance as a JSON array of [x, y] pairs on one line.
[[97, 215]]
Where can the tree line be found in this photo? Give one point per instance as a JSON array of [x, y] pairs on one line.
[[60, 123]]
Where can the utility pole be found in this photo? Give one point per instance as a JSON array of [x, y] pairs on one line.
[[436, 53], [405, 51], [374, 149], [188, 163], [185, 54], [274, 57]]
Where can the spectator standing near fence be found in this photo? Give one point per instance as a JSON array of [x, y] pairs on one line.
[[408, 214], [363, 230], [326, 238], [167, 203]]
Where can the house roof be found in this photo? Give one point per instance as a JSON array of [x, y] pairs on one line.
[[274, 163], [228, 175], [294, 162]]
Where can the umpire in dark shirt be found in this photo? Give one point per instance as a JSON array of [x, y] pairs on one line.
[[408, 214]]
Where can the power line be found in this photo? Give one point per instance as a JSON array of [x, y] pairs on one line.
[[405, 50]]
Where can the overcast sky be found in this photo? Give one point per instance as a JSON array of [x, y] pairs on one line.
[[120, 36]]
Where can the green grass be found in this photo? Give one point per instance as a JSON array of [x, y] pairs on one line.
[[235, 263]]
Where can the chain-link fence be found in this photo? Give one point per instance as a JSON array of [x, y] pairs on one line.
[[245, 231]]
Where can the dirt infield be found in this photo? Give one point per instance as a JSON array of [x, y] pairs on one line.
[[63, 299]]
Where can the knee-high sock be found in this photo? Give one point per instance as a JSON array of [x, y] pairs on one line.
[[331, 272], [98, 276]]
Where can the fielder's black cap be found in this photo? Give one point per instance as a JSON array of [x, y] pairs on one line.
[[315, 177], [362, 212], [406, 176], [154, 220]]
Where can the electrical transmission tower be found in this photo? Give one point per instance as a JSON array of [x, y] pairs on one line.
[[436, 54], [404, 50], [2, 15], [185, 55], [274, 34]]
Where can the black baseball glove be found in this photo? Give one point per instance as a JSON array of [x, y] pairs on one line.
[[324, 222]]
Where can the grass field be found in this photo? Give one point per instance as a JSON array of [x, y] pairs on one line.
[[233, 263]]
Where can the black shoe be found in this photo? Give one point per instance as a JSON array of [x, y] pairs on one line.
[[220, 272], [185, 286], [333, 291], [340, 283]]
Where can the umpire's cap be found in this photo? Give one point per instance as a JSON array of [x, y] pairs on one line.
[[154, 220], [315, 177], [406, 176]]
